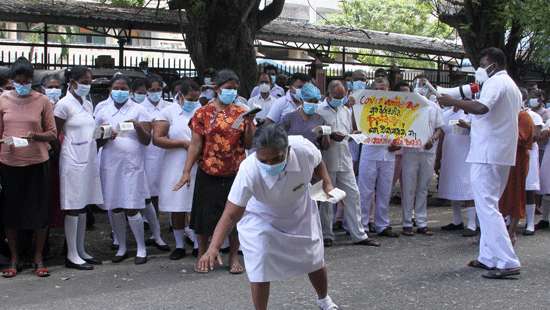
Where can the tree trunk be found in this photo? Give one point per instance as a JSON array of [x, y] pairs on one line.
[[221, 35]]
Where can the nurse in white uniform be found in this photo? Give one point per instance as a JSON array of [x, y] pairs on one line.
[[171, 132], [154, 104], [532, 182], [279, 225], [454, 177], [122, 166], [78, 167]]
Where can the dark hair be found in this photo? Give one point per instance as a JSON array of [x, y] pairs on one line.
[[271, 136], [48, 78], [210, 72], [270, 67], [153, 79], [380, 72], [495, 55], [299, 76], [76, 73], [188, 86], [21, 67], [177, 83], [119, 76], [225, 76], [402, 84], [348, 74], [137, 83]]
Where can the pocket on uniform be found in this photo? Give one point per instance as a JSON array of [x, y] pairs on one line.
[[80, 152]]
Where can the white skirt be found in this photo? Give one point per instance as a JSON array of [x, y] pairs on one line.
[[545, 172], [273, 255], [171, 171], [532, 182]]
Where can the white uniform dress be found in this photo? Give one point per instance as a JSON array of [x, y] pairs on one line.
[[122, 166], [153, 153], [454, 179], [545, 168], [80, 184], [280, 232], [532, 182], [174, 162]]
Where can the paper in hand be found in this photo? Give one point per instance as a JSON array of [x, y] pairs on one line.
[[317, 193], [103, 132], [16, 142], [241, 117], [359, 138], [126, 126], [322, 130]]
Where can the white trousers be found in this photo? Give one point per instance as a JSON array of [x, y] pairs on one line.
[[495, 248], [417, 169], [352, 208], [375, 182]]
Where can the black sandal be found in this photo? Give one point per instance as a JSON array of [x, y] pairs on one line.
[[501, 273], [477, 264]]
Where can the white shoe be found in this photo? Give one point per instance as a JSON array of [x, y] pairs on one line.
[[327, 304]]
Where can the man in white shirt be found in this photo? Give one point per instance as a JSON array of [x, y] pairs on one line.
[[417, 172], [291, 101], [494, 137], [264, 99], [275, 90], [340, 167], [376, 168]]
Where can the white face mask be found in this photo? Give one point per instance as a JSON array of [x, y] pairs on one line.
[[533, 103], [264, 88], [482, 75]]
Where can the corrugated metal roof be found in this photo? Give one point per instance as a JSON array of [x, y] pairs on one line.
[[77, 13]]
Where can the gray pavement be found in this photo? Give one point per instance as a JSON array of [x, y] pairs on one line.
[[417, 272]]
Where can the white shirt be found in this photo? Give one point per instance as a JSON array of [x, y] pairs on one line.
[[494, 135], [264, 104], [276, 91], [279, 205], [435, 121], [281, 107], [537, 119], [377, 152], [337, 157]]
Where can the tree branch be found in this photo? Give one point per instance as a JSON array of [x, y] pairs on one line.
[[269, 13]]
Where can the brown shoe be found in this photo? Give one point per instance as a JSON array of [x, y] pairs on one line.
[[407, 231], [424, 231]]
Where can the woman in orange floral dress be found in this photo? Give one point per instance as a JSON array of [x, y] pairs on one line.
[[219, 149]]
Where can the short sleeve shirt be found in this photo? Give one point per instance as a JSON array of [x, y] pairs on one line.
[[223, 147], [338, 156], [494, 135], [281, 107], [295, 125]]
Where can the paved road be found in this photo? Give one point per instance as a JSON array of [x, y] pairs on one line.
[[407, 273]]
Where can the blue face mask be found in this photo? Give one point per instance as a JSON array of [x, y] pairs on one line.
[[309, 108], [189, 106], [22, 89], [227, 96], [359, 85], [273, 79], [139, 98], [53, 94], [334, 102], [273, 170], [154, 96], [120, 96], [349, 85]]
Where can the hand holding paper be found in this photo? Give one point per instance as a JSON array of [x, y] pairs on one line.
[[317, 193], [322, 130]]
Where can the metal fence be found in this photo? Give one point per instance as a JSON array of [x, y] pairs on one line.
[[185, 67]]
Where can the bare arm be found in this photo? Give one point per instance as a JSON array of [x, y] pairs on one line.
[[143, 130], [160, 137], [468, 106], [321, 172], [193, 153], [249, 131]]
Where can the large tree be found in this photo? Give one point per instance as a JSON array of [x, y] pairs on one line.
[[400, 16], [518, 27], [220, 33]]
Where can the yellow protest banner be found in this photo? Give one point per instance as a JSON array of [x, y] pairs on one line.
[[387, 117]]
